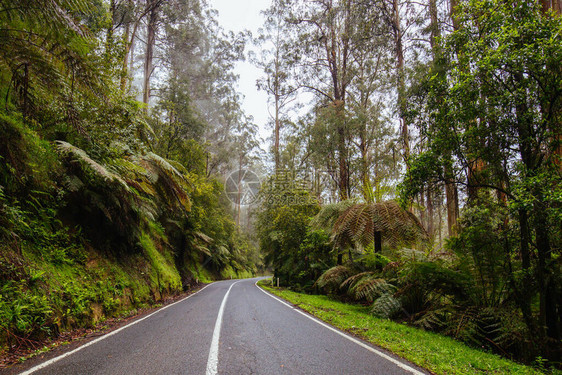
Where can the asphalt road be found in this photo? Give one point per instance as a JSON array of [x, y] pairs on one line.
[[248, 332]]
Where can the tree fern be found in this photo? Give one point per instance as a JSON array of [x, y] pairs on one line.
[[45, 49], [357, 224], [78, 155], [334, 277], [370, 287], [329, 213], [128, 190], [386, 306]]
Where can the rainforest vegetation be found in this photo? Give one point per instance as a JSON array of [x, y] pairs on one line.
[[414, 165], [116, 122], [423, 179]]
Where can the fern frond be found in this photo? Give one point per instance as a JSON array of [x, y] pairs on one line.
[[174, 185], [329, 213], [333, 277], [371, 288], [80, 156], [357, 224], [386, 306], [350, 281]]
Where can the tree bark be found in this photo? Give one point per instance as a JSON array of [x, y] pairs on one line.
[[378, 242], [399, 50], [452, 202], [150, 41], [430, 214]]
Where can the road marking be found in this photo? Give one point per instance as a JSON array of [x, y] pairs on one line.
[[56, 359], [213, 360], [350, 338]]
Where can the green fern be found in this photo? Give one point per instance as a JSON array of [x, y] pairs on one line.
[[334, 277], [329, 213], [370, 288], [357, 224], [386, 306], [43, 47]]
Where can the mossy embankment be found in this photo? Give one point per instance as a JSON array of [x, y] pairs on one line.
[[97, 232]]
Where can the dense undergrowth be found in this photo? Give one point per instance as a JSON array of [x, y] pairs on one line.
[[94, 222], [466, 290], [82, 241]]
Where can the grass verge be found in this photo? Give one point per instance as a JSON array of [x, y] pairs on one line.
[[439, 354]]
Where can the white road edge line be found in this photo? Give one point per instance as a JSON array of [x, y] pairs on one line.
[[213, 360], [350, 338], [56, 359]]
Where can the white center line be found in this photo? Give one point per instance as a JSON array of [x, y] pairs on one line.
[[213, 361]]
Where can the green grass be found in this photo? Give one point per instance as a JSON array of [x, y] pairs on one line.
[[437, 353]]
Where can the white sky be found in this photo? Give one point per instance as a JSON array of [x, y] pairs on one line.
[[239, 15]]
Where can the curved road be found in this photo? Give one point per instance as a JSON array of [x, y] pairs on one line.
[[229, 327]]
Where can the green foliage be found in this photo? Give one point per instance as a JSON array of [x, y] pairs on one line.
[[164, 273], [282, 228], [490, 109], [23, 313], [485, 249], [437, 353], [333, 278], [357, 225], [94, 222], [26, 161]]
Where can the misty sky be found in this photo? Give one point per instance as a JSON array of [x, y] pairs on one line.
[[238, 15]]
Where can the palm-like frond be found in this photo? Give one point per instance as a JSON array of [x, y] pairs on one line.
[[173, 183], [357, 225], [334, 277], [386, 306], [329, 213], [350, 281], [128, 190], [44, 49], [78, 155], [370, 288]]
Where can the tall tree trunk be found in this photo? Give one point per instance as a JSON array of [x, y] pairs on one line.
[[549, 298], [132, 53], [124, 70], [344, 188], [150, 41], [524, 293], [451, 193], [452, 197], [339, 73], [277, 95], [277, 134], [363, 147], [109, 32], [399, 50], [430, 214]]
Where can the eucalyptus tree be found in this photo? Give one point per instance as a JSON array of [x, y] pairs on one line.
[[370, 125], [276, 59], [327, 35], [340, 51]]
